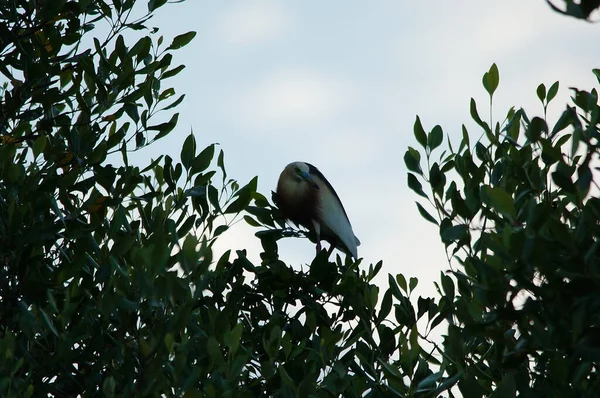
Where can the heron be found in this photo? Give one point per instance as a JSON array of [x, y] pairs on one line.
[[306, 198]]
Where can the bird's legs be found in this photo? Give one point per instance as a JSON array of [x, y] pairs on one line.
[[318, 233]]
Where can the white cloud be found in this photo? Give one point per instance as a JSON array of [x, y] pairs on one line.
[[288, 98], [248, 23]]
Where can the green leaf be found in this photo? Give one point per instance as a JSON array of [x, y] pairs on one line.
[[564, 181], [394, 289], [425, 214], [541, 92], [552, 91], [412, 159], [491, 80], [251, 221], [155, 4], [448, 286], [420, 133], [173, 72], [412, 283], [454, 233], [244, 197], [536, 129], [285, 377], [182, 40], [38, 146], [415, 185], [232, 338], [386, 306], [214, 351], [477, 118], [596, 73], [429, 382], [165, 128], [202, 161], [188, 151], [48, 322], [499, 199], [402, 282], [435, 138], [174, 103]]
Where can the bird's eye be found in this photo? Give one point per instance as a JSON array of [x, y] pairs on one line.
[[297, 170]]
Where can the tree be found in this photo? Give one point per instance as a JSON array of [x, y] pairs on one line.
[[108, 286], [581, 9], [518, 212]]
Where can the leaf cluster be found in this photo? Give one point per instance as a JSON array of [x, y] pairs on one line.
[[518, 210], [108, 281]]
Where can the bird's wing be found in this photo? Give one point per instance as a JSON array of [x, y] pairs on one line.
[[331, 213]]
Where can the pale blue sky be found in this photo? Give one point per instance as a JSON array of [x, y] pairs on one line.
[[338, 84]]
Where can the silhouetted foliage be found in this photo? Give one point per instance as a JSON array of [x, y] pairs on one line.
[[518, 211], [580, 9], [109, 285]]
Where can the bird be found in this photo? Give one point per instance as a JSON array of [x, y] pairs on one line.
[[306, 198]]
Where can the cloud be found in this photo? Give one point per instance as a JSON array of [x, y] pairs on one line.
[[252, 23], [288, 98]]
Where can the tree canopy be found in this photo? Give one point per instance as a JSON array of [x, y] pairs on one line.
[[109, 285]]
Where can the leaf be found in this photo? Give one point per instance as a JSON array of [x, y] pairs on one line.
[[568, 117], [499, 199], [552, 91], [197, 191], [251, 221], [476, 118], [244, 197], [425, 214], [165, 128], [429, 382], [214, 351], [232, 338], [454, 233], [420, 133], [202, 161], [491, 80], [564, 181], [402, 282], [174, 103], [181, 40], [415, 185], [394, 287], [48, 322], [386, 306], [155, 4], [435, 138], [412, 283], [541, 92], [448, 286], [173, 72], [412, 159], [188, 151]]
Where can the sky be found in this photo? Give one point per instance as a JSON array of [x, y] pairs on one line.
[[339, 85]]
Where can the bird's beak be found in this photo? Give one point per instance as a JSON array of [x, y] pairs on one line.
[[308, 178]]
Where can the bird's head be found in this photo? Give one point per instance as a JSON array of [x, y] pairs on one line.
[[299, 172]]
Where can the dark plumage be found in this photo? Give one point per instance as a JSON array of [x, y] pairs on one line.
[[305, 197]]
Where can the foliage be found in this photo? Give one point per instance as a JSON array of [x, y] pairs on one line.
[[108, 281], [518, 210], [580, 9], [108, 285]]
